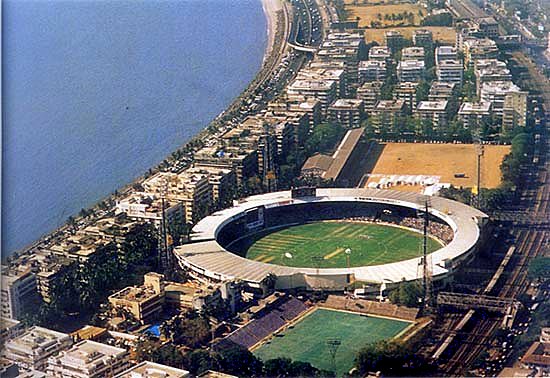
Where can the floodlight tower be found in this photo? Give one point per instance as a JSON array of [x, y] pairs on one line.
[[333, 345], [427, 282]]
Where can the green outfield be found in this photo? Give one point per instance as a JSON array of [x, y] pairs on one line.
[[323, 245], [307, 340]]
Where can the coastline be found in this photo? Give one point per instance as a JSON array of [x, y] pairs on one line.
[[271, 10]]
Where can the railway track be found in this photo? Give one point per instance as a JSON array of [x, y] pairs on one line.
[[529, 243]]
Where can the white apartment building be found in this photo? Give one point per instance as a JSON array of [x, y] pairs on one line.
[[411, 70], [147, 369], [88, 359], [380, 53], [450, 70], [372, 70], [445, 53], [413, 53], [323, 90], [435, 111], [347, 112], [475, 49], [18, 288], [495, 93], [32, 349], [422, 37], [472, 113], [370, 94], [514, 111]]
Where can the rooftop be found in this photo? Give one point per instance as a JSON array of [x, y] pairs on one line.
[[475, 107], [347, 103], [88, 352], [35, 338], [432, 105], [147, 369]]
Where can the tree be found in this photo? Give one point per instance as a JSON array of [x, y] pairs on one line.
[[406, 294], [200, 360], [392, 359], [240, 362], [324, 138]]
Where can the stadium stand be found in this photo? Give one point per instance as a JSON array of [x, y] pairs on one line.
[[371, 307], [258, 329]]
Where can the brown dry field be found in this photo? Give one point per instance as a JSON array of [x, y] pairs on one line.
[[369, 13], [442, 34], [440, 160]]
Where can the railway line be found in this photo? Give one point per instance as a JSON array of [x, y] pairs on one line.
[[529, 244]]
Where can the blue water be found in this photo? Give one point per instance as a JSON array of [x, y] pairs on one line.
[[97, 92]]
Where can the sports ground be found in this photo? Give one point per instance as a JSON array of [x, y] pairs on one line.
[[307, 340], [323, 245]]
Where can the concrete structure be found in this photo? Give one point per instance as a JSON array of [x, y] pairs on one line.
[[347, 112], [88, 359], [487, 27], [344, 47], [32, 349], [423, 37], [207, 258], [514, 111], [9, 329], [472, 114], [370, 94], [413, 53], [147, 369], [372, 70], [386, 112], [449, 70], [445, 53], [331, 168], [406, 91], [17, 291], [489, 70], [223, 182], [495, 92], [411, 70], [434, 111], [143, 302], [323, 90], [380, 53], [475, 49], [327, 74], [440, 90], [243, 161], [394, 40]]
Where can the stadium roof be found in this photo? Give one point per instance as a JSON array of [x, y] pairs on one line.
[[207, 257]]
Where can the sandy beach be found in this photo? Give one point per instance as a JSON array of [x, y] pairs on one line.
[[271, 7]]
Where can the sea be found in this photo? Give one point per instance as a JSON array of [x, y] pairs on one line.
[[95, 92]]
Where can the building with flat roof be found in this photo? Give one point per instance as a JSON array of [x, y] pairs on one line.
[[472, 114], [385, 113], [347, 112], [243, 161], [394, 40], [488, 70], [147, 369], [370, 94], [450, 70], [372, 70], [223, 182], [18, 289], [9, 329], [32, 349], [380, 53], [411, 70], [475, 49], [434, 111], [149, 207], [143, 302], [441, 90], [514, 111], [423, 37], [487, 26], [495, 93], [445, 53], [406, 91], [329, 74], [323, 90], [88, 359], [413, 53]]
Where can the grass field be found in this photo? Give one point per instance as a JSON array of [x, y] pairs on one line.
[[442, 160], [442, 34], [377, 13], [322, 244], [307, 341]]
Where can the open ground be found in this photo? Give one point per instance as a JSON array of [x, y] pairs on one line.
[[307, 340], [377, 13], [444, 160], [323, 245], [441, 34]]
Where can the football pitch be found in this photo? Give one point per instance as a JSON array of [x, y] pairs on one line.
[[307, 340], [324, 245]]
